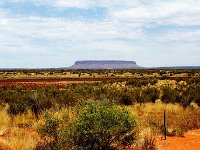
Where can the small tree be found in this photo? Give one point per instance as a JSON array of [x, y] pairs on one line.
[[101, 126]]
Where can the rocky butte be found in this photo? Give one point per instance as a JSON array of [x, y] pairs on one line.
[[104, 64]]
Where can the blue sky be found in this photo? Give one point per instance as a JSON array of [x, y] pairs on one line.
[[55, 33]]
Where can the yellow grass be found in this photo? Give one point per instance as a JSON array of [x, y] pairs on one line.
[[22, 139], [24, 119], [17, 138], [177, 118], [5, 120]]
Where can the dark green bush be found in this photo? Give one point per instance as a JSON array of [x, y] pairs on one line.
[[128, 97], [138, 82], [19, 107], [170, 95], [101, 126], [194, 93], [149, 94]]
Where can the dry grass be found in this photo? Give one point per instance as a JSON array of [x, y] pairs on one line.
[[24, 120], [23, 136], [178, 119], [64, 114], [150, 115], [22, 139], [149, 143], [3, 146], [5, 121], [16, 133]]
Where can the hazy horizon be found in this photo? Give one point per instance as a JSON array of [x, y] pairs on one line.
[[56, 33], [144, 67]]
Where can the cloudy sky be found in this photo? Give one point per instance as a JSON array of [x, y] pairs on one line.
[[55, 33]]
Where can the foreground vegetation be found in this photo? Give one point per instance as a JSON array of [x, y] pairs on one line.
[[104, 115]]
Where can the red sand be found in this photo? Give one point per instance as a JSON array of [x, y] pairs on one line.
[[46, 82], [191, 141]]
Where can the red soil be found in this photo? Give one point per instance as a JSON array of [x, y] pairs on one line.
[[4, 147], [47, 82], [191, 141], [61, 82]]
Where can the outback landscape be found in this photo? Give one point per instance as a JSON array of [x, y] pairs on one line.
[[99, 109], [99, 75]]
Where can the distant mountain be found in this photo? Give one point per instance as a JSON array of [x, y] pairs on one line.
[[104, 64]]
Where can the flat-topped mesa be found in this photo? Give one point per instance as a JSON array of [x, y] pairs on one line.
[[104, 64]]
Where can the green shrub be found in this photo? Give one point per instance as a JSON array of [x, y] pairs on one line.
[[129, 96], [56, 133], [169, 95], [126, 99], [194, 93], [18, 107], [149, 94], [101, 126], [50, 129], [141, 81]]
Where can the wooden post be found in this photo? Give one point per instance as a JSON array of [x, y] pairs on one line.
[[165, 129]]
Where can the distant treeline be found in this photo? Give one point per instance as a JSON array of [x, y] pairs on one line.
[[160, 71]]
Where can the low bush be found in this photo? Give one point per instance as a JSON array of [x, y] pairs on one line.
[[169, 95], [49, 130], [101, 126], [142, 81], [149, 94], [17, 107]]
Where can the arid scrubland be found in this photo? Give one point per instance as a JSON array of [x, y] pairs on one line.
[[104, 115]]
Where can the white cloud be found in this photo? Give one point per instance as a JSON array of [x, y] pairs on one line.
[[73, 3], [120, 34], [181, 12], [181, 35]]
